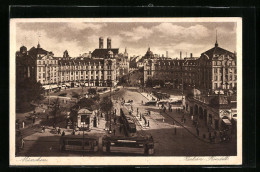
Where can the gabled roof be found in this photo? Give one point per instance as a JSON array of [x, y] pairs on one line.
[[101, 53]]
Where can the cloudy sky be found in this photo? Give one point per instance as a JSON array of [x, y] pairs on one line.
[[79, 38]]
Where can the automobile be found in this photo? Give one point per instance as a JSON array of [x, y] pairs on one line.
[[130, 101]]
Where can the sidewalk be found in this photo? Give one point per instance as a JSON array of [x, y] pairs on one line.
[[188, 125]]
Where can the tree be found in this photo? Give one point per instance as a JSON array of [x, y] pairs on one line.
[[96, 97], [92, 91], [75, 95], [86, 103], [27, 91], [149, 82], [106, 106]]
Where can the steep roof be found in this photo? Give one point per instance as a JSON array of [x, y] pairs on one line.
[[101, 53], [217, 51], [34, 51]]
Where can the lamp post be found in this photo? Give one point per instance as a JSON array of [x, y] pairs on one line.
[[83, 143]]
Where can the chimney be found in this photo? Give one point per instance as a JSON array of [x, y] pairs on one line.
[[190, 55], [180, 55], [89, 54], [167, 54]]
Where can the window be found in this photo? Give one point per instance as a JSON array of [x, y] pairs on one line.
[[226, 70], [215, 70], [216, 78], [39, 69], [230, 78], [39, 62]]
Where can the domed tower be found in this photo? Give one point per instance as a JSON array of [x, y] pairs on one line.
[[23, 49], [101, 41], [108, 43], [65, 54]]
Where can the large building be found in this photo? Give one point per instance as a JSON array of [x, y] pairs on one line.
[[49, 70], [217, 69], [213, 71]]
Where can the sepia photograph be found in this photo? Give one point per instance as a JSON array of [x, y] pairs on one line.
[[126, 91]]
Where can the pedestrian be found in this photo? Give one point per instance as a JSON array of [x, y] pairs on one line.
[[192, 117], [144, 122], [23, 142], [58, 130], [175, 130], [148, 124], [54, 125], [73, 132], [198, 132], [23, 124], [63, 133], [43, 128]]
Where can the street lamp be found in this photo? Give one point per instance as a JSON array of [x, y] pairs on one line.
[[83, 143]]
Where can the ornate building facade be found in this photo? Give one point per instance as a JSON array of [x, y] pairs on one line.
[[213, 71], [48, 70]]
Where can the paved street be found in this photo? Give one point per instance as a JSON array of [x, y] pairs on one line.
[[184, 143]]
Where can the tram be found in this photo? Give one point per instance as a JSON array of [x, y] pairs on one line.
[[142, 145], [78, 143], [127, 120]]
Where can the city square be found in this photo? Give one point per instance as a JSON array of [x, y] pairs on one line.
[[108, 102]]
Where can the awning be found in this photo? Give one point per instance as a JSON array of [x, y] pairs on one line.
[[46, 87], [226, 121], [54, 86]]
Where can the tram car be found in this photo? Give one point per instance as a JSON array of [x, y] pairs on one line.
[[142, 145], [78, 143], [127, 120]]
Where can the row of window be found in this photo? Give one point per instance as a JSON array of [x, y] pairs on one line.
[[227, 70], [227, 86], [226, 78]]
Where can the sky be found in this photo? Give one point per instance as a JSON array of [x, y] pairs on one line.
[[82, 37]]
